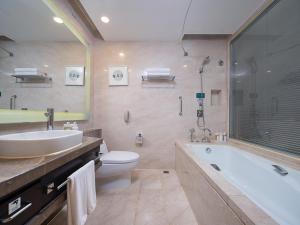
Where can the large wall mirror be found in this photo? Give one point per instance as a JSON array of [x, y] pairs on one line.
[[42, 65], [265, 79]]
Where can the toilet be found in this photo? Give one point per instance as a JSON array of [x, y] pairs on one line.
[[116, 168]]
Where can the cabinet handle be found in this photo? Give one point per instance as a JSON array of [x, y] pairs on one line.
[[10, 218]]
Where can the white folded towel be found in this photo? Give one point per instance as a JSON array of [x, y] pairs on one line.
[[81, 192], [26, 69]]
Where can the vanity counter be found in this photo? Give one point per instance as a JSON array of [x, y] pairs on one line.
[[16, 173]]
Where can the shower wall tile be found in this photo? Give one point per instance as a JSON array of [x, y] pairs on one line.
[[154, 111]]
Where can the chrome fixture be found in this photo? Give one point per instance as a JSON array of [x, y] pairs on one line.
[[180, 105], [220, 62], [208, 150], [50, 118], [206, 138], [13, 216], [52, 187], [12, 102], [280, 170], [204, 63], [185, 53], [215, 166], [8, 52], [192, 131]]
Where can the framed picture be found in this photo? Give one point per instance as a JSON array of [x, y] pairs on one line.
[[118, 75], [74, 76]]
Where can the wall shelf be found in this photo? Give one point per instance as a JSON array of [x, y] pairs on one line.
[[34, 78], [158, 78]]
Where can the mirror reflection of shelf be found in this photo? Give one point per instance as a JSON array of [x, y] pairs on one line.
[[34, 78]]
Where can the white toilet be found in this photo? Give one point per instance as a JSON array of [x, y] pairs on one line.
[[116, 168]]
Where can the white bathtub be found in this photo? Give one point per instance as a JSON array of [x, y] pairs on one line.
[[254, 176]]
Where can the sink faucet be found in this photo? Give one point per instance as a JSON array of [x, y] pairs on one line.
[[50, 118], [206, 138]]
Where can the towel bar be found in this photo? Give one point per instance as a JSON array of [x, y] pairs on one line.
[[96, 160]]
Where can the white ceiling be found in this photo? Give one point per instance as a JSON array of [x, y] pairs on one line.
[[161, 20], [31, 20]]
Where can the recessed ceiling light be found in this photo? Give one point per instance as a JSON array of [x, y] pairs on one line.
[[46, 66], [121, 54], [185, 66], [57, 19], [105, 19], [269, 71]]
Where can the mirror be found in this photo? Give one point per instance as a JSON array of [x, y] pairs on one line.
[[42, 65]]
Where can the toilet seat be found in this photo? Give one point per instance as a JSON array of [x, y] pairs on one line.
[[119, 157]]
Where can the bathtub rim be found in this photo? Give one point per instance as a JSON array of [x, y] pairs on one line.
[[244, 208], [288, 159]]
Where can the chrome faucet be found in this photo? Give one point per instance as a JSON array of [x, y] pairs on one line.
[[50, 118], [12, 102], [206, 138]]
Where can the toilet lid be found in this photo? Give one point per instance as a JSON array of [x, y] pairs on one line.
[[119, 157]]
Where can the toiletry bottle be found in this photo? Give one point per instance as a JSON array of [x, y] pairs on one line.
[[224, 137], [75, 126], [67, 126]]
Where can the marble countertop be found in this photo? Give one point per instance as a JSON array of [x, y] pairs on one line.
[[16, 173]]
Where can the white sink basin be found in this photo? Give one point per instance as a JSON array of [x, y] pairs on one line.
[[39, 143]]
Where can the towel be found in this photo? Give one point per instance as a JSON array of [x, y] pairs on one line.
[[81, 192]]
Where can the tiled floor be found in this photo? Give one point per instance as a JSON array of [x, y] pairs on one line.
[[154, 198]]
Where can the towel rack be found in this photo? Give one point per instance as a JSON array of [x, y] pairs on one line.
[[96, 160]]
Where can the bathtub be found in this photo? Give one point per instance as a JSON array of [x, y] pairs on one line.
[[253, 176]]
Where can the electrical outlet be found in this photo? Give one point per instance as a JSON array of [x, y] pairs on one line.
[[14, 205]]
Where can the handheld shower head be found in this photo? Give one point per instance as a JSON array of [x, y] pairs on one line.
[[204, 63]]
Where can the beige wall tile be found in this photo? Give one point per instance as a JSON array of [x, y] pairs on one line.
[[154, 111]]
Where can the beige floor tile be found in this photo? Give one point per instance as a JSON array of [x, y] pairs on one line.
[[154, 198]]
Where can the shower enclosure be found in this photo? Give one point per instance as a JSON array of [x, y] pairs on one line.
[[265, 79]]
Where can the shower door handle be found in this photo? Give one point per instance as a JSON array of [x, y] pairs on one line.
[[180, 105]]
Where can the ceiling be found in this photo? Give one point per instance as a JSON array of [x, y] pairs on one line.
[[162, 20], [31, 20]]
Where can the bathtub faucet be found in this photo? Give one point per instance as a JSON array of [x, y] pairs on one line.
[[206, 138]]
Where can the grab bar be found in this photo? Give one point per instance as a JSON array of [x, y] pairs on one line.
[[10, 218], [216, 167], [180, 108], [280, 170]]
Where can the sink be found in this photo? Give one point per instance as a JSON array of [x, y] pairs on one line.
[[39, 143]]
